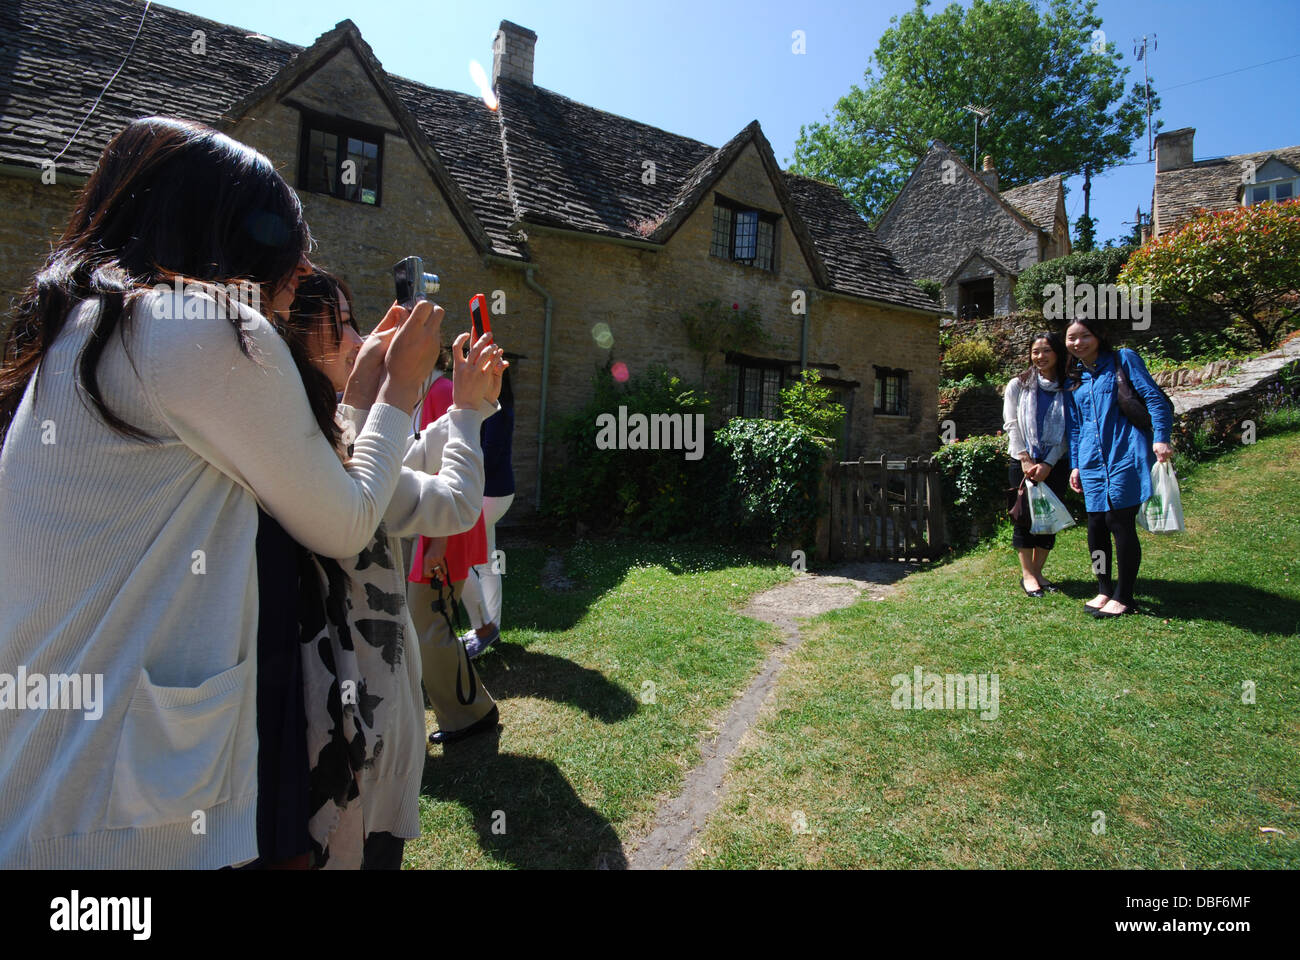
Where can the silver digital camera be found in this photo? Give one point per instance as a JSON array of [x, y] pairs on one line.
[[413, 284]]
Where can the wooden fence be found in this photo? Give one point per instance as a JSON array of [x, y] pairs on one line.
[[886, 510]]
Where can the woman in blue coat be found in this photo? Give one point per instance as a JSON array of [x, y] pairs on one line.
[[1112, 457]]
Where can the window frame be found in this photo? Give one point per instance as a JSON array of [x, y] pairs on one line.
[[742, 364], [879, 391], [762, 218], [1272, 185], [344, 129]]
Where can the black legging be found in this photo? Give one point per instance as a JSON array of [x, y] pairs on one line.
[[1122, 524]]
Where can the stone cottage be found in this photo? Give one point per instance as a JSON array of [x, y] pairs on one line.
[[1183, 186], [950, 224], [564, 215]]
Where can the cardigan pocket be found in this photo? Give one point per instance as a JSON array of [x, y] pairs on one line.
[[177, 749]]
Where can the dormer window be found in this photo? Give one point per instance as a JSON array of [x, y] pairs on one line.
[[743, 235], [341, 158], [1274, 181]]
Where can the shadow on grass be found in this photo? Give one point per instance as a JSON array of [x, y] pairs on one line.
[[1247, 608], [525, 812], [510, 670]]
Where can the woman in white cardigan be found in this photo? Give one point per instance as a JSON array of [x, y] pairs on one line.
[[1033, 414], [140, 431]]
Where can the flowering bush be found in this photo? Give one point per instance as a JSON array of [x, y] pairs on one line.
[[1243, 263]]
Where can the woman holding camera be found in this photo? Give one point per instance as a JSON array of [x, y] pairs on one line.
[[1113, 455], [1033, 414], [367, 751], [140, 431]]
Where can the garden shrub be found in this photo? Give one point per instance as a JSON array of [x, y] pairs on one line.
[[775, 474], [1243, 264], [974, 474], [653, 492], [806, 403], [969, 358], [1096, 266]]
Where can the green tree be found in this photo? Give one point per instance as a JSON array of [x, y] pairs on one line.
[[1085, 234], [1055, 85], [1243, 264]]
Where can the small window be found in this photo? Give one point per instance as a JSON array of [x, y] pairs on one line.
[[1278, 191], [891, 392], [743, 235], [341, 159], [758, 390]]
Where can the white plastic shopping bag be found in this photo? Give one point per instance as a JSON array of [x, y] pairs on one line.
[[1163, 513], [1048, 512]]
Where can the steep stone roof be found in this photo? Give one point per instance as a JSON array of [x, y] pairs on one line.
[[1213, 185], [1037, 201], [541, 158]]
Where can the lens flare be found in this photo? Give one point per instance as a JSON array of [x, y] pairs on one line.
[[603, 336], [619, 372], [479, 76]]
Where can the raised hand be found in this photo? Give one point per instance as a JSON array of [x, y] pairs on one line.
[[412, 355]]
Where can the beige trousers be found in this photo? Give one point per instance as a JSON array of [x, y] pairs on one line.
[[458, 696]]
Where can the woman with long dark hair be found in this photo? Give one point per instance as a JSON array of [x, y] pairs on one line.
[[140, 431], [1033, 415], [1112, 454]]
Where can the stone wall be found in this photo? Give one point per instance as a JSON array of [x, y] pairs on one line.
[[35, 215], [1010, 335], [974, 412]]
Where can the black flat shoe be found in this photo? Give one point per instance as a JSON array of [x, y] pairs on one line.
[[1033, 593], [446, 737], [1049, 586]]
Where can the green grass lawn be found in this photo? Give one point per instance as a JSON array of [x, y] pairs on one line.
[[588, 746], [1141, 718]]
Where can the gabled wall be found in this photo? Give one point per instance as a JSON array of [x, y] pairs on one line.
[[934, 225]]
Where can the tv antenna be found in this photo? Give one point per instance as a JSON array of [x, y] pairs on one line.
[[1140, 53], [981, 115]]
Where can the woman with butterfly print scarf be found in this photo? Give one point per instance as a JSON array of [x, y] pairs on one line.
[[361, 676]]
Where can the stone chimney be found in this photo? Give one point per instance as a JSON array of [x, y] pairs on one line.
[[990, 173], [512, 54], [1174, 149]]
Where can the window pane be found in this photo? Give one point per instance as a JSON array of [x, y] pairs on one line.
[[1258, 194], [771, 393], [765, 229], [721, 231], [746, 234], [329, 162], [751, 392], [1283, 191]]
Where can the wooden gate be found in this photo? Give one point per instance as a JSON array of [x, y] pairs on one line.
[[886, 510]]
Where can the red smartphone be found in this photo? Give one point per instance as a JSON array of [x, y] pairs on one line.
[[478, 316]]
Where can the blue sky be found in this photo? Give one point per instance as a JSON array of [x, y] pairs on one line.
[[704, 69]]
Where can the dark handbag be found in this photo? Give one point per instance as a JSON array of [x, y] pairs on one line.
[[1018, 505], [1130, 401]]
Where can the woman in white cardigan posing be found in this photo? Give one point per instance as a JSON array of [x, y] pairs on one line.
[[1033, 414], [140, 431]]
